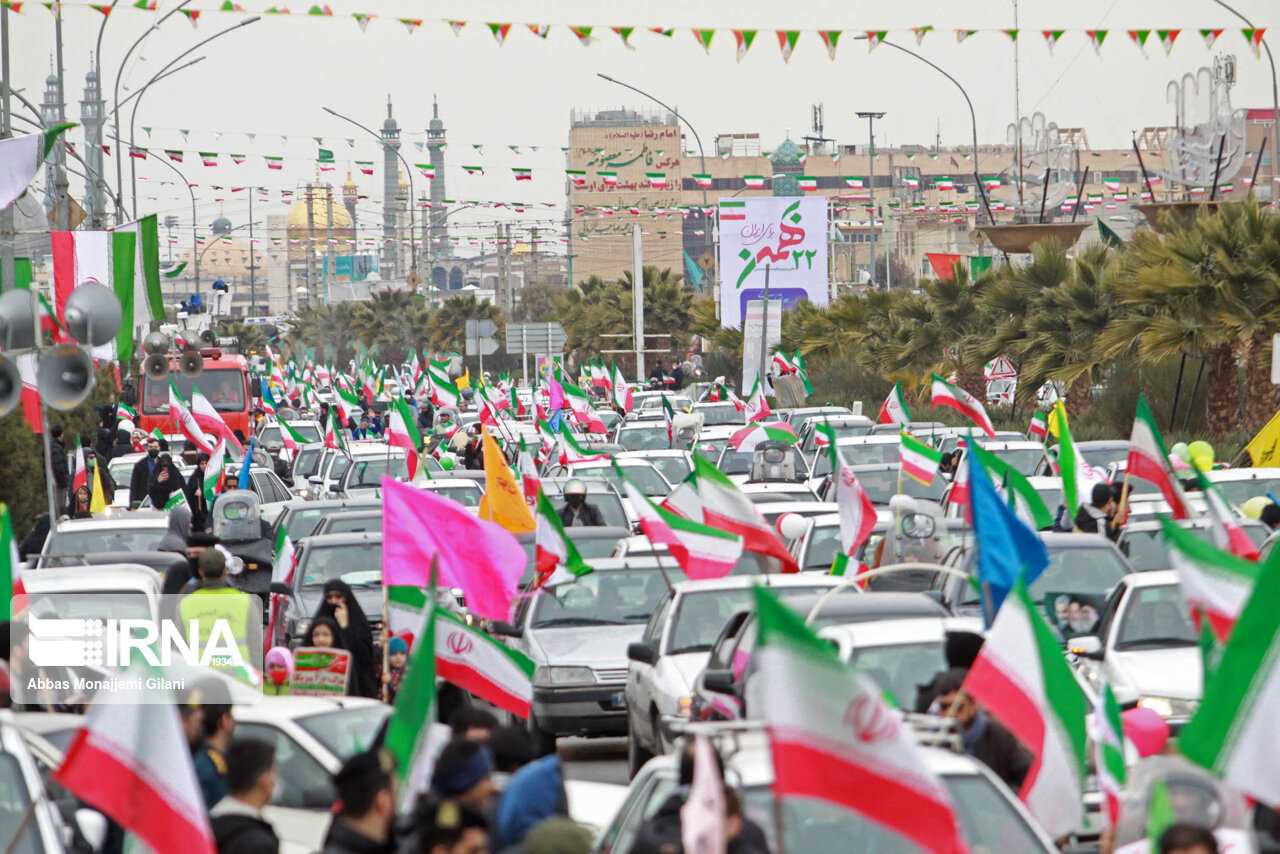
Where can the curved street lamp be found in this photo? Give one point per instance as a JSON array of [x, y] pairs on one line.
[[1275, 106]]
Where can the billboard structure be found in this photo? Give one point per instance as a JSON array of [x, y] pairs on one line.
[[786, 235]]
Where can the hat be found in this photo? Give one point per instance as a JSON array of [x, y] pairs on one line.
[[211, 562], [575, 487], [558, 835], [395, 645], [201, 539]]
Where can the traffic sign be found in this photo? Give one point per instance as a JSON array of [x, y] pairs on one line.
[[481, 329], [535, 338]]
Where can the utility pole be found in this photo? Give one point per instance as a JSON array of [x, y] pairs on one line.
[[8, 261], [169, 222], [311, 243], [533, 247], [500, 252], [253, 283], [871, 125], [329, 257], [637, 299]]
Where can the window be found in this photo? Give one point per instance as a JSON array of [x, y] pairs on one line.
[[304, 782]]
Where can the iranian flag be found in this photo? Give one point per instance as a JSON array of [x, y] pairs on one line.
[[657, 180], [333, 435], [571, 452], [622, 390], [784, 363], [283, 559], [413, 737], [944, 183], [1078, 477], [609, 179], [731, 210], [701, 550], [857, 513], [1149, 460], [1227, 533], [131, 761], [556, 558], [1108, 746], [443, 392], [402, 432], [10, 564], [1022, 679], [807, 184], [946, 394], [835, 740], [407, 610], [703, 181], [79, 467], [757, 406], [894, 410], [577, 176], [1213, 582], [209, 158], [22, 157], [855, 183], [1039, 425], [210, 420], [186, 422], [753, 182], [669, 418], [918, 460], [477, 663], [1022, 496], [290, 438], [726, 508], [1236, 731], [747, 438], [214, 476], [530, 483]]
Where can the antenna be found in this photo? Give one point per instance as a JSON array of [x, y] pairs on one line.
[[817, 142]]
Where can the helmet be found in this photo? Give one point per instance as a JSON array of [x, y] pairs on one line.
[[575, 487]]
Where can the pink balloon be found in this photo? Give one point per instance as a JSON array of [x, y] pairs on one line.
[[1146, 729]]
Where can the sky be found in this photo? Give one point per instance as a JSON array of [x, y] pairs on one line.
[[274, 76]]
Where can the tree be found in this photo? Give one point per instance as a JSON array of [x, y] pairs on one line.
[[392, 324], [251, 338], [449, 322], [326, 330], [536, 303], [598, 309]]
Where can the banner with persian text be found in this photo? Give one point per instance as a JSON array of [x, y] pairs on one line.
[[784, 236]]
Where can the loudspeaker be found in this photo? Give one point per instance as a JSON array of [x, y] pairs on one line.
[[156, 366], [92, 314], [189, 340], [207, 338], [17, 324], [10, 385], [190, 364], [156, 342], [64, 376]]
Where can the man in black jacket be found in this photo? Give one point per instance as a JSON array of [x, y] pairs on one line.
[[576, 512], [1096, 516], [367, 806], [985, 738], [238, 824], [144, 470], [58, 460]]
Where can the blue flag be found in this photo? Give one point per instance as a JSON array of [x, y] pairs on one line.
[[248, 461], [1007, 548], [268, 399]]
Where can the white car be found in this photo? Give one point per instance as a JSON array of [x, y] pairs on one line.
[[23, 791], [674, 465], [1239, 485], [132, 589], [675, 645], [640, 472], [136, 531]]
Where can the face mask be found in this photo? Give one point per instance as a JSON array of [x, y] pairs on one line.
[[153, 452]]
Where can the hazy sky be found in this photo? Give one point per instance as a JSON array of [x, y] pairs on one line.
[[274, 76]]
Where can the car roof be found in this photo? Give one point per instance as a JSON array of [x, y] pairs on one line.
[[345, 539], [1054, 539], [289, 707], [857, 604], [869, 439], [583, 532], [333, 503], [902, 630], [773, 486], [1012, 445], [644, 454], [835, 418], [1144, 525], [1152, 578], [738, 582], [1217, 475], [107, 576], [131, 519]]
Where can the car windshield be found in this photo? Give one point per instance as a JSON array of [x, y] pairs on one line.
[[643, 438], [15, 801], [1024, 460], [358, 564], [346, 732], [643, 475], [94, 604], [354, 523], [468, 494], [739, 462], [718, 413], [602, 599], [1240, 491], [607, 502], [307, 462], [589, 549], [105, 540], [700, 617], [882, 485], [988, 821], [302, 521], [122, 475], [368, 473], [900, 669], [1146, 550], [223, 388], [339, 466], [1155, 617], [842, 431], [674, 469], [306, 430], [870, 453]]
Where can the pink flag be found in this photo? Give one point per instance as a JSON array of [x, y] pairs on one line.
[[556, 394], [481, 558]]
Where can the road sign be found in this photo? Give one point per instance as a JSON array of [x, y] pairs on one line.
[[481, 329], [480, 337], [535, 338], [413, 280], [482, 346]]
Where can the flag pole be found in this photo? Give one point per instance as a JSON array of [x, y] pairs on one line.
[[386, 638], [661, 568], [1117, 521]]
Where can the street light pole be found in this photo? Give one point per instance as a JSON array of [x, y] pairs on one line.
[[195, 238], [133, 169], [871, 125], [1275, 105], [412, 197]]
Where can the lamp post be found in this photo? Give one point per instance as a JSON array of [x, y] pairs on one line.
[[702, 158], [413, 250], [973, 118], [164, 72], [194, 222], [871, 125], [1275, 105], [115, 100]]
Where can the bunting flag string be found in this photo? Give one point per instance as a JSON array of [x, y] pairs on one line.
[[787, 39]]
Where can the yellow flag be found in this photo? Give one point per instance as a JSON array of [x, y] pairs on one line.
[[502, 502], [1264, 448], [97, 501], [1057, 417], [464, 381]]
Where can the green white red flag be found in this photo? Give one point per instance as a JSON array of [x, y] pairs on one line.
[[725, 507], [757, 406], [746, 439], [1149, 460], [946, 394], [894, 410], [918, 460], [701, 550], [291, 438], [1227, 533], [571, 452], [402, 432], [475, 662], [1022, 679], [1039, 425], [857, 513], [622, 390], [1108, 746], [1213, 582], [334, 437], [214, 473], [556, 559], [186, 422], [1236, 732], [413, 737], [834, 739], [10, 565]]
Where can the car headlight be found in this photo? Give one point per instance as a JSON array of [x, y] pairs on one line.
[[686, 705], [301, 627], [1167, 707], [563, 676]]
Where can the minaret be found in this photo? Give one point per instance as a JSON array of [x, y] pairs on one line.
[[52, 111], [390, 189], [350, 193], [439, 247], [95, 202]]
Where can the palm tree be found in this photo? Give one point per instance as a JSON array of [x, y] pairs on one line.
[[938, 329], [326, 330], [392, 324], [251, 338], [449, 322], [597, 310]]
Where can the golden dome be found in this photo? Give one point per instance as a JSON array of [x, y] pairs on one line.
[[349, 188], [319, 211]]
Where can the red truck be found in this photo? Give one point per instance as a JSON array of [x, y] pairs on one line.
[[224, 381]]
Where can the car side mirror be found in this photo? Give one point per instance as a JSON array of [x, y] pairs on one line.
[[93, 827], [504, 629], [280, 588], [720, 681], [935, 595], [643, 652], [1086, 646]]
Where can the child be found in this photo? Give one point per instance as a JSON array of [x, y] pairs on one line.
[[397, 656], [279, 667]]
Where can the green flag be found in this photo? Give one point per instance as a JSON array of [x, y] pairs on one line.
[[412, 734]]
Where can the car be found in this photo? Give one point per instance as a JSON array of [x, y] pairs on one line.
[[593, 543], [952, 439], [1022, 456], [1239, 485], [919, 429], [882, 481], [364, 476], [1086, 567], [650, 406], [675, 645], [789, 504], [796, 415], [816, 549], [615, 512], [1097, 453], [117, 590], [577, 636], [121, 470], [270, 435], [332, 466], [991, 817], [739, 466], [1142, 540], [772, 492], [73, 539], [300, 520], [313, 736], [355, 558], [674, 465], [1145, 648], [868, 450], [350, 523], [640, 472], [715, 414], [26, 806], [844, 427], [900, 656], [305, 465], [463, 490], [633, 436]]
